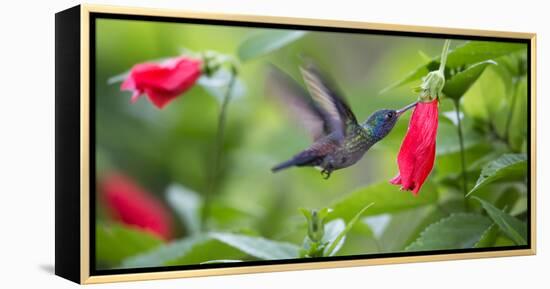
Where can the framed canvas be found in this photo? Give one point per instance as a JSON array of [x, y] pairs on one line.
[[194, 144]]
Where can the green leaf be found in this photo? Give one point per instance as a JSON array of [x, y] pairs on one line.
[[459, 83], [512, 227], [222, 261], [520, 206], [116, 242], [223, 214], [448, 142], [503, 241], [485, 99], [477, 51], [414, 75], [213, 246], [164, 254], [387, 198], [333, 229], [506, 199], [508, 166], [258, 247], [187, 205], [338, 242], [457, 231], [267, 41], [488, 238], [372, 226], [518, 125], [460, 57], [405, 227], [207, 250]]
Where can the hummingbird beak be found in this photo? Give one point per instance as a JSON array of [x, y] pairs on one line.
[[403, 110]]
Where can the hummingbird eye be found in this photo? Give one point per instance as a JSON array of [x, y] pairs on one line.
[[389, 115]]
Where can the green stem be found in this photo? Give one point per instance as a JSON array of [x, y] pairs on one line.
[[218, 150], [511, 112], [433, 83], [444, 53], [462, 153]]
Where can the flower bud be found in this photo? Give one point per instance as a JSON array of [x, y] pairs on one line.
[[315, 223], [432, 85]]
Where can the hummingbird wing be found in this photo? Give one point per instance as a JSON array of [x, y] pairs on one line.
[[326, 97], [308, 113]]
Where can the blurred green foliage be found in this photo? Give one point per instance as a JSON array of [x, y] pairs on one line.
[[254, 214]]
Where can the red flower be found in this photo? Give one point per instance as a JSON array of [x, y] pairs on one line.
[[417, 154], [132, 205], [162, 82]]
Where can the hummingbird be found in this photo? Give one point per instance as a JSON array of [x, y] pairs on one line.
[[339, 140]]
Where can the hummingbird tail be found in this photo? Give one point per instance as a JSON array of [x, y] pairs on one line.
[[303, 159], [285, 165]]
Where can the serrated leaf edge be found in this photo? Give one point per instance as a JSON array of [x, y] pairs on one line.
[[480, 180], [437, 223]]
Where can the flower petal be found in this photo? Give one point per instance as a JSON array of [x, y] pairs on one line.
[[417, 154], [162, 82], [132, 205]]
